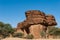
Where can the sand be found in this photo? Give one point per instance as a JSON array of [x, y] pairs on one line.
[[26, 39]]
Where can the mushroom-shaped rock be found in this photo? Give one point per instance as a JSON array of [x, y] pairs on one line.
[[35, 22]]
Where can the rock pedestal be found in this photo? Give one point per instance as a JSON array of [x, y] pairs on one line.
[[35, 30], [35, 22]]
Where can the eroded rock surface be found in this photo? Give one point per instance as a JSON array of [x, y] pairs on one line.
[[35, 22]]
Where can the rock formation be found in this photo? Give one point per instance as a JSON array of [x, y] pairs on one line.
[[35, 22]]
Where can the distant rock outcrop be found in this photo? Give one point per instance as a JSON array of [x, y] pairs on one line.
[[35, 22]]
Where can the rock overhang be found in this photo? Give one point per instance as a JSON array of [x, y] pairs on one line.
[[37, 17]]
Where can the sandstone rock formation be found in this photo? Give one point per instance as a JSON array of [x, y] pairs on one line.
[[35, 22]]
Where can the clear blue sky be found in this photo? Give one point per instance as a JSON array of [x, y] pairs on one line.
[[12, 11]]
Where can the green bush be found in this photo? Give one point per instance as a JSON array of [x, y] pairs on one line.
[[20, 35], [43, 34], [5, 35], [29, 36], [5, 30]]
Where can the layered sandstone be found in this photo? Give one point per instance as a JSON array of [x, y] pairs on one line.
[[35, 22]]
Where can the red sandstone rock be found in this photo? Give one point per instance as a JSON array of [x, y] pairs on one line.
[[50, 20], [35, 17]]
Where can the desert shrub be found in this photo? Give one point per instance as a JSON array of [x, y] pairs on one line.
[[54, 31], [43, 34], [5, 29], [5, 35], [20, 35], [29, 36]]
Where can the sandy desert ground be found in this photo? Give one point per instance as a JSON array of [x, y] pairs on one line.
[[26, 39]]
